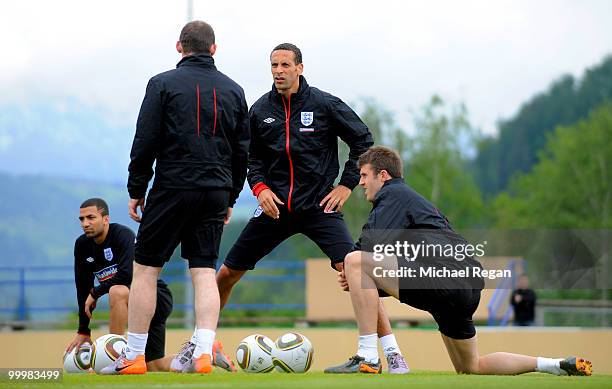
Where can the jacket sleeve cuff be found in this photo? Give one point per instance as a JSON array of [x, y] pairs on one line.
[[258, 188], [351, 184], [137, 193], [232, 202], [93, 293]]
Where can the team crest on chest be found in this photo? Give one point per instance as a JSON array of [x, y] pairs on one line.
[[307, 118], [108, 254]]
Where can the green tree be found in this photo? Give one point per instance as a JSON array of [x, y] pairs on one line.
[[571, 185], [437, 165], [434, 160], [521, 137], [385, 131]]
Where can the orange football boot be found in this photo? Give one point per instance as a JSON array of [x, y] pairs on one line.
[[203, 364], [126, 366]]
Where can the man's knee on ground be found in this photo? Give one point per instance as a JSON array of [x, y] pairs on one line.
[[469, 368], [118, 295]]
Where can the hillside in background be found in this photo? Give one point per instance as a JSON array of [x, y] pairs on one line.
[[39, 224], [39, 216], [515, 149], [63, 138], [54, 155]]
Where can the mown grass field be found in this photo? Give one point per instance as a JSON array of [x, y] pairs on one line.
[[312, 380]]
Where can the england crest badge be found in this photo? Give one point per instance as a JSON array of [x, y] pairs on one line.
[[307, 118], [108, 254]]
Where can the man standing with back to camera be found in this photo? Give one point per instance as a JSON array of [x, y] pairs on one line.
[[194, 124], [293, 164]]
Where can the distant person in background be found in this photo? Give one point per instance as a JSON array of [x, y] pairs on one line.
[[523, 300], [106, 251]]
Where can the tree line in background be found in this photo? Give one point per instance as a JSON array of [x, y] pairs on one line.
[[521, 138], [550, 165]]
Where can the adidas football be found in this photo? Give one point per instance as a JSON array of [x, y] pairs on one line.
[[254, 354], [293, 353], [106, 350], [78, 360]]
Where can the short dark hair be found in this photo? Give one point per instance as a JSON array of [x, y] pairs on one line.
[[383, 158], [99, 203], [297, 53], [197, 37]]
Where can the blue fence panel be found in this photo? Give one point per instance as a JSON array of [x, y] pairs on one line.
[[42, 293]]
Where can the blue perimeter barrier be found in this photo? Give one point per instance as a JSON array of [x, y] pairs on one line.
[[24, 277]]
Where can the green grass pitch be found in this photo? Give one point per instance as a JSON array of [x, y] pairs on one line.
[[317, 380]]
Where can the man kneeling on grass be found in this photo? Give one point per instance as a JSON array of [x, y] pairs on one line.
[[451, 301]]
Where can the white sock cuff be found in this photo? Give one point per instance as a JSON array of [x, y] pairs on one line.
[[194, 336], [548, 365], [368, 347], [136, 344], [204, 343], [389, 344]]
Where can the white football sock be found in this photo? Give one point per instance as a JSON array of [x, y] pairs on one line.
[[204, 343], [368, 348], [389, 345], [549, 365], [194, 337], [136, 344]]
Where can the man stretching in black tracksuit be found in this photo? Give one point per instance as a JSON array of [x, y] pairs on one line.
[[398, 212], [293, 163]]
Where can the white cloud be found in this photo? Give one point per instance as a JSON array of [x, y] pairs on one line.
[[494, 55]]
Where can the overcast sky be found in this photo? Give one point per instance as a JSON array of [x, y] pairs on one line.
[[491, 54]]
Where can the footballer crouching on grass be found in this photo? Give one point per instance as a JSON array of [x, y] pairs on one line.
[[105, 251]]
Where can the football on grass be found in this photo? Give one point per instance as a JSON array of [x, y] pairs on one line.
[[293, 353]]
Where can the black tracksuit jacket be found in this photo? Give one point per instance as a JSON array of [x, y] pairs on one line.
[[194, 124], [294, 145], [398, 207], [110, 262], [401, 214]]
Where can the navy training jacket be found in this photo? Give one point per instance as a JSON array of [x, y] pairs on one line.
[[193, 123], [294, 145]]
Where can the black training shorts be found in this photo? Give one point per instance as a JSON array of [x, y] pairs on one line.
[[156, 341], [193, 218], [262, 234], [452, 309]]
